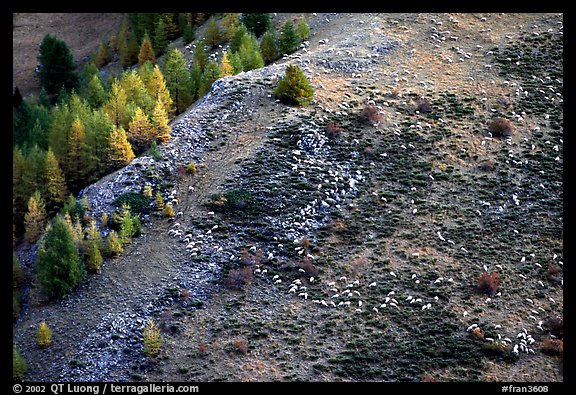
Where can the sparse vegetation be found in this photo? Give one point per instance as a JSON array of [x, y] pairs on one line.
[[19, 365], [152, 340], [44, 335], [370, 115], [488, 283]]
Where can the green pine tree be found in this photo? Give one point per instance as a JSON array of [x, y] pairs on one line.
[[94, 259], [57, 66], [213, 35], [58, 262], [200, 56], [103, 56], [19, 365], [303, 29], [95, 92], [178, 80], [211, 73], [249, 52], [113, 245], [256, 23], [160, 37], [289, 40], [268, 47], [294, 88]]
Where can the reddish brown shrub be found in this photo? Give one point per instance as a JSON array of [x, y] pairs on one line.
[[423, 105], [556, 326], [203, 348], [477, 333], [308, 267], [486, 165], [501, 127], [239, 278], [241, 346], [488, 283], [370, 115], [553, 272], [333, 130], [552, 346]]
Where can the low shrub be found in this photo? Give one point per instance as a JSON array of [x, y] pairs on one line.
[[44, 335], [333, 130], [556, 326], [501, 127], [239, 278], [488, 283], [234, 201], [369, 115], [241, 346], [138, 202], [552, 346], [19, 364], [152, 340]]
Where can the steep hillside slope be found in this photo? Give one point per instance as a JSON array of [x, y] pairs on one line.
[[364, 240]]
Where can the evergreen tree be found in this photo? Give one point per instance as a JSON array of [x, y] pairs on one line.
[[113, 245], [129, 50], [95, 93], [236, 63], [195, 78], [103, 56], [156, 86], [170, 25], [119, 149], [129, 224], [147, 191], [136, 92], [213, 35], [211, 73], [55, 183], [303, 29], [33, 176], [160, 37], [98, 128], [226, 68], [18, 191], [35, 218], [178, 80], [140, 132], [116, 107], [188, 33], [152, 340], [57, 66], [58, 262], [38, 136], [44, 99], [236, 39], [257, 23], [168, 211], [160, 124], [75, 164], [94, 259], [230, 22], [289, 40], [249, 52], [200, 56], [159, 201], [19, 365], [44, 335], [146, 53], [268, 47], [294, 88]]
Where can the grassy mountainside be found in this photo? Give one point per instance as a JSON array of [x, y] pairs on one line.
[[364, 236]]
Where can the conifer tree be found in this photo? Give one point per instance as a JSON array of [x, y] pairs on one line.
[[72, 229], [35, 218], [170, 25], [94, 259], [160, 126], [56, 191], [103, 56], [200, 56], [168, 211], [129, 49], [236, 63], [236, 39], [226, 68], [159, 201], [289, 40], [95, 93], [58, 262], [152, 340], [38, 136], [303, 29], [230, 22], [249, 52], [140, 132], [213, 35], [160, 37], [156, 86], [147, 191], [211, 73], [19, 365], [33, 176], [294, 88], [113, 245], [268, 47], [75, 164], [136, 92], [195, 78], [256, 23], [116, 107], [93, 235], [17, 98], [178, 80], [188, 33], [44, 335], [146, 53], [119, 149], [57, 66]]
